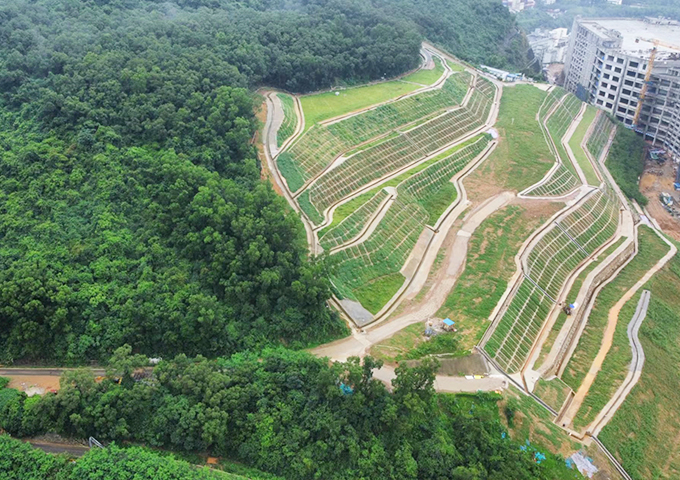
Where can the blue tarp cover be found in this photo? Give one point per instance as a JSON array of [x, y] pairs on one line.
[[449, 322]]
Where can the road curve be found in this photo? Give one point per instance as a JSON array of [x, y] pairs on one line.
[[634, 369]]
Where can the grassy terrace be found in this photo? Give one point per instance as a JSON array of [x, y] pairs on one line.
[[651, 249], [564, 178], [615, 365], [598, 139], [522, 157], [575, 144], [489, 266], [369, 271], [644, 432], [353, 224], [399, 152], [318, 147], [323, 106], [549, 263], [289, 119], [346, 209], [427, 77], [571, 297]]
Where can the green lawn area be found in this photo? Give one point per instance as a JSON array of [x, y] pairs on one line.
[[615, 365], [374, 295], [456, 67], [323, 106], [651, 250], [575, 144], [427, 77], [571, 297], [289, 119], [437, 204], [490, 264], [522, 157], [644, 432]]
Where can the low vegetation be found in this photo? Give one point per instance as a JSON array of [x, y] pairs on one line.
[[489, 266], [626, 162], [427, 77], [376, 293], [323, 106], [615, 365], [553, 392], [644, 431], [523, 157], [571, 298], [575, 145], [290, 172], [651, 249], [289, 119]]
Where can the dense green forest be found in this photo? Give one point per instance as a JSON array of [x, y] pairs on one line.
[[20, 461], [131, 205], [287, 413]]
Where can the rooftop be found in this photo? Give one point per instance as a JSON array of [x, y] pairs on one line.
[[632, 29]]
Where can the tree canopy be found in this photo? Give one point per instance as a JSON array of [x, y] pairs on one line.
[[290, 414]]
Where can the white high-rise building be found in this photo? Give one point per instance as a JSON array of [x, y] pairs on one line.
[[606, 65]]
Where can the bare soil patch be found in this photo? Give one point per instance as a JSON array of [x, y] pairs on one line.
[[34, 384], [656, 179]]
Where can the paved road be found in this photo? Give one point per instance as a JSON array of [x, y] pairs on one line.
[[634, 369], [56, 448]]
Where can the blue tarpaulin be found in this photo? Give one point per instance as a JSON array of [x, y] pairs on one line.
[[448, 322]]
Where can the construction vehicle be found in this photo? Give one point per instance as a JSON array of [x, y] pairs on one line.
[[648, 74], [666, 199], [569, 308]]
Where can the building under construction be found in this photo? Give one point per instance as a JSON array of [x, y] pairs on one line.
[[631, 69]]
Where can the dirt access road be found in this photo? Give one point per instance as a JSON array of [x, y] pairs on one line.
[[361, 341]]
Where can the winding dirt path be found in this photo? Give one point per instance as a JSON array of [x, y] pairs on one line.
[[612, 320], [361, 341]]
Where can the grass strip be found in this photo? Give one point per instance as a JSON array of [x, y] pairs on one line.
[[644, 432], [309, 209], [427, 77], [615, 366], [289, 119], [575, 144], [651, 248], [290, 171]]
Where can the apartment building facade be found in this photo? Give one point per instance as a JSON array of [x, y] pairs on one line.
[[606, 65]]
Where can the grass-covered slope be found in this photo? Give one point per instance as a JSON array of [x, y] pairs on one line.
[[644, 431]]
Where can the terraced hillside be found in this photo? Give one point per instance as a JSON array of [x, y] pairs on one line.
[[399, 158], [570, 240], [556, 115]]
